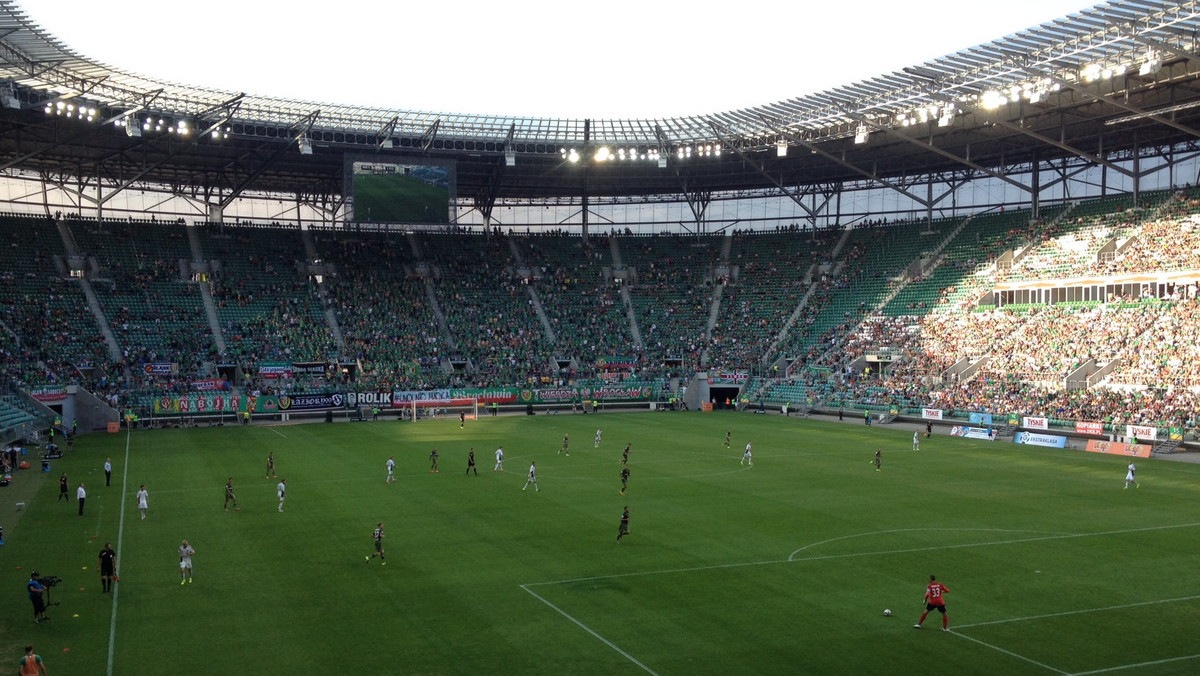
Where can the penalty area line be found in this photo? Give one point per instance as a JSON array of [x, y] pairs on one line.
[[589, 630], [1067, 536], [1078, 612], [1139, 665], [1009, 653]]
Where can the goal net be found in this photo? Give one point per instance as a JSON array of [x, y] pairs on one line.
[[467, 408]]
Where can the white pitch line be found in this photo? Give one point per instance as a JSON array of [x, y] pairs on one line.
[[278, 432], [991, 544], [1139, 665], [654, 572], [829, 557], [1078, 612], [921, 530], [589, 630], [116, 589], [1010, 653]]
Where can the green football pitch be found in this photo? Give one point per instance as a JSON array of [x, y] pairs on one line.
[[785, 567]]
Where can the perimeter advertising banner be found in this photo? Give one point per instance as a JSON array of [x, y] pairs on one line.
[[931, 413], [216, 402], [1141, 432], [1082, 427], [1035, 423], [370, 399], [980, 418], [312, 402], [973, 432], [1117, 448], [222, 402], [559, 395], [1038, 439]]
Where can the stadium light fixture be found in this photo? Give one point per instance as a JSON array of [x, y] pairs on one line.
[[510, 158], [1151, 65], [602, 154], [305, 145], [781, 148], [861, 134], [9, 97], [992, 99]]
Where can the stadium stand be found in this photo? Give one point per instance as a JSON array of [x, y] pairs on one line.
[[422, 310]]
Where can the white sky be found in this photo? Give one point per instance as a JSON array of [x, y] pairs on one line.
[[534, 58]]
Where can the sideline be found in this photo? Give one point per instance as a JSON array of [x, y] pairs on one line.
[[116, 588]]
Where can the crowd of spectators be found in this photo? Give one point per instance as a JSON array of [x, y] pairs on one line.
[[462, 310]]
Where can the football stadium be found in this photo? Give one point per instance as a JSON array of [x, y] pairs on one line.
[[896, 377]]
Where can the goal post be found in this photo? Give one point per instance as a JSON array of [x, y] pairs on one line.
[[468, 407]]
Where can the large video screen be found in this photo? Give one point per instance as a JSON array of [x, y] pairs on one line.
[[394, 192]]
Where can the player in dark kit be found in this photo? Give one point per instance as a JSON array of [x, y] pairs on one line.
[[433, 457], [62, 488], [624, 479], [462, 420], [728, 435], [471, 463], [377, 536], [623, 529], [566, 445], [271, 466], [108, 567], [878, 458], [935, 599], [625, 455], [230, 497]]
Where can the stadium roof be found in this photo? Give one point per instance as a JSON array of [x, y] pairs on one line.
[[1095, 85]]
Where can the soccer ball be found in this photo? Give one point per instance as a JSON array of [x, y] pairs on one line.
[[887, 613]]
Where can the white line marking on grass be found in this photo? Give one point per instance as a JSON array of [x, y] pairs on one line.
[[1078, 612], [990, 544], [855, 554], [278, 432], [112, 625], [589, 630], [1137, 666], [669, 571], [920, 530], [648, 478], [1010, 653]]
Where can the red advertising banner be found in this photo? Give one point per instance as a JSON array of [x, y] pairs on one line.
[[1083, 427], [931, 413], [1117, 448]]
